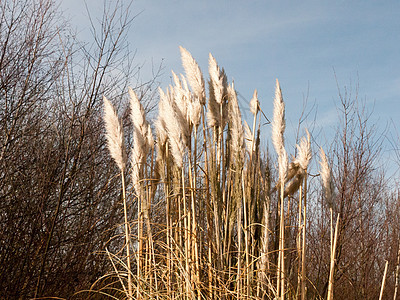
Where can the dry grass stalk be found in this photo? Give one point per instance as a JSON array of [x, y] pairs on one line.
[[383, 281], [303, 159], [396, 285], [332, 264], [143, 142], [283, 165], [278, 129], [328, 188], [115, 139]]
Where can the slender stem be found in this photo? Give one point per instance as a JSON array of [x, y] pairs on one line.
[[303, 253], [186, 229], [397, 273], [383, 281], [299, 250], [239, 255], [332, 267], [127, 237], [246, 237], [282, 248], [331, 211]]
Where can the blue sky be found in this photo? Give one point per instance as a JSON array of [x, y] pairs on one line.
[[302, 43]]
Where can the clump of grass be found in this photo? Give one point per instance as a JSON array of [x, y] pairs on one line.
[[207, 204]]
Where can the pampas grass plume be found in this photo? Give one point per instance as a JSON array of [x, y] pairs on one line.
[[248, 136], [194, 112], [193, 74], [137, 110], [216, 79], [174, 129], [236, 121], [254, 103], [326, 177], [114, 134], [304, 151], [278, 122]]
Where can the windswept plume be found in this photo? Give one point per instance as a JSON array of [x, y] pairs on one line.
[[175, 131], [161, 136], [114, 134], [278, 122], [194, 75], [297, 168], [143, 139], [218, 89], [248, 137], [304, 151], [217, 79], [254, 103], [236, 128], [137, 110], [142, 136], [326, 177], [181, 94], [161, 129], [194, 112]]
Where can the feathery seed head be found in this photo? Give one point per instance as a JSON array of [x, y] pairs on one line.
[[194, 112], [278, 122], [304, 151], [150, 138], [176, 133], [248, 137], [176, 79], [161, 131], [137, 110], [254, 103], [326, 177], [114, 134], [212, 108], [216, 79], [193, 74], [236, 121]]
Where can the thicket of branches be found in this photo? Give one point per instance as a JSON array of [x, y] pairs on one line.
[[204, 211], [59, 204]]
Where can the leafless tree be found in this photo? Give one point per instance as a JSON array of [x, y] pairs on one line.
[[58, 200]]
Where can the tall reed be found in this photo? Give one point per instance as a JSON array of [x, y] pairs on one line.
[[115, 142]]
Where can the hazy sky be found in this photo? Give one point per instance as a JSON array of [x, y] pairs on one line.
[[302, 43]]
